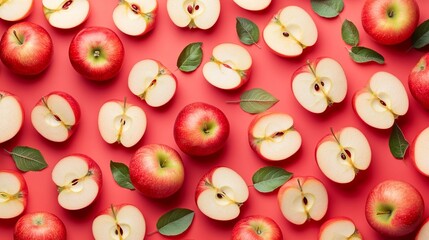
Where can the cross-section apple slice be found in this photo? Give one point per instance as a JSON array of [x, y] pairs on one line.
[[201, 14], [423, 233], [12, 116], [339, 228], [419, 152], [66, 14], [135, 17], [253, 5], [13, 194], [15, 10]]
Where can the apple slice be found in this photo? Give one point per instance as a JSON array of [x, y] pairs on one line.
[[339, 228], [303, 198], [13, 194], [121, 122], [56, 116], [78, 179], [220, 194], [229, 67], [423, 233], [290, 31], [152, 82], [319, 84], [382, 101], [419, 152], [202, 14], [65, 14], [12, 116], [15, 10], [253, 5], [273, 137], [123, 221], [135, 17], [341, 155]]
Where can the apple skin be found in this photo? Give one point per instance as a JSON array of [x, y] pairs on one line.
[[23, 193], [31, 53], [96, 53], [157, 170], [201, 129], [390, 30], [400, 197], [418, 81], [40, 226], [256, 227]]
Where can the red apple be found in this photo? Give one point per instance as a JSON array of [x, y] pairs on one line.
[[40, 226], [13, 194], [418, 81], [26, 48], [256, 228], [96, 53]]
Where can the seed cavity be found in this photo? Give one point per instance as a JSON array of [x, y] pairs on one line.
[[67, 4], [286, 34], [135, 8]]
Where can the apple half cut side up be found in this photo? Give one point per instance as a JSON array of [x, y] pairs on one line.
[[12, 116], [339, 228], [66, 14], [419, 152], [202, 14], [15, 10], [13, 194], [135, 17]]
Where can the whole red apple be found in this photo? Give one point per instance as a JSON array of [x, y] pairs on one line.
[[40, 226], [256, 228], [418, 81]]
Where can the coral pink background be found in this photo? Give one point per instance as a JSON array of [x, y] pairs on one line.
[[270, 72]]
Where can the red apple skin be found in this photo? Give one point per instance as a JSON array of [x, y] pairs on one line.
[[7, 94], [377, 23], [96, 53], [150, 177], [40, 226], [94, 168], [29, 55], [189, 132], [204, 183], [405, 202], [247, 229], [23, 193], [418, 81], [423, 231]]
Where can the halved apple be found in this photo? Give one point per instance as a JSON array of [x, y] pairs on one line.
[[12, 116], [423, 233], [339, 228], [135, 17], [65, 14], [13, 194], [202, 14], [419, 152], [15, 10]]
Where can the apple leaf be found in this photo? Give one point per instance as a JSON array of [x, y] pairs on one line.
[[190, 57], [256, 100], [121, 174], [420, 37], [397, 143], [28, 159], [350, 33], [327, 8], [247, 31], [175, 222], [268, 179], [363, 55]]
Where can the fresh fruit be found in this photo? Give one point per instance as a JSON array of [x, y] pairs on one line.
[[418, 81], [319, 84], [382, 101], [290, 31], [339, 228], [65, 14], [220, 194], [26, 48], [56, 116], [96, 53], [152, 82], [202, 14], [15, 10], [201, 129], [40, 226], [135, 17], [253, 5], [256, 227], [423, 233], [121, 122], [419, 152], [78, 179], [12, 116], [302, 199], [341, 155], [272, 136], [13, 194], [229, 67]]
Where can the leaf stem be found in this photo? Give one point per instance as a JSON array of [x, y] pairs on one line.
[[152, 233]]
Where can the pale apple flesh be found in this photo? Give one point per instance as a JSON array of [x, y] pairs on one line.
[[135, 17], [253, 5], [15, 10], [65, 14], [13, 194], [201, 14], [339, 228], [423, 233], [419, 152], [12, 116]]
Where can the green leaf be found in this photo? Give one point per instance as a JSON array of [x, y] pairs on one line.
[[350, 33], [268, 179], [28, 159], [190, 57], [256, 100], [397, 143], [121, 174], [175, 221], [247, 31], [327, 8], [363, 54], [420, 37]]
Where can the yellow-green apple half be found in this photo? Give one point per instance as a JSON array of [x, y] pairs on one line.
[[273, 137], [135, 17], [394, 208], [319, 84], [418, 81], [15, 10], [341, 155], [201, 129], [382, 101], [302, 199], [66, 14], [26, 48], [229, 67], [123, 221], [390, 21], [253, 5], [256, 227], [152, 82], [56, 116], [157, 171], [121, 122], [38, 226], [339, 228], [12, 116], [423, 233], [419, 152], [13, 194], [290, 31], [202, 14], [220, 194], [96, 53], [78, 179]]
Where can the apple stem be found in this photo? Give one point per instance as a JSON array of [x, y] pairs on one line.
[[383, 213], [16, 35]]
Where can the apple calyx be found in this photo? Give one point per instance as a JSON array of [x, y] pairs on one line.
[[319, 84], [118, 231], [21, 41], [345, 153], [420, 66], [304, 200], [286, 32], [55, 117], [74, 185]]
